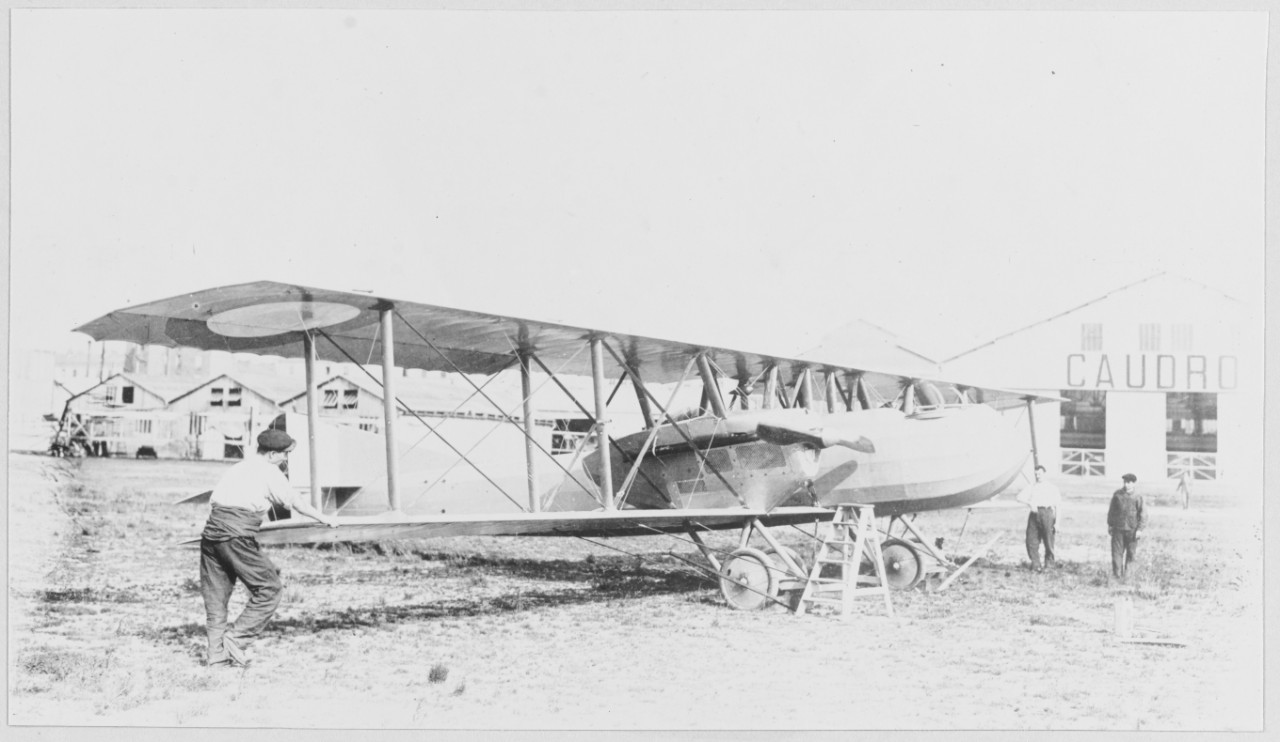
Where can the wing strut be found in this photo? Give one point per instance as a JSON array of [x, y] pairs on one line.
[[711, 388], [385, 315], [526, 391], [1031, 423], [313, 417], [771, 387], [602, 427], [833, 391]]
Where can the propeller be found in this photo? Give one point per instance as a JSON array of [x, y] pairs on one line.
[[781, 435]]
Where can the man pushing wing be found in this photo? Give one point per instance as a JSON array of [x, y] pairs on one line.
[[229, 546]]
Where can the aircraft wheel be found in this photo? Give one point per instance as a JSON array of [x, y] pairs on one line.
[[747, 580], [902, 566]]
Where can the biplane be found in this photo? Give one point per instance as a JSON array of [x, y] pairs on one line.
[[772, 441]]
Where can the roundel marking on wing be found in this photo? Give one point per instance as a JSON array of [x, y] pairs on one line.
[[276, 318]]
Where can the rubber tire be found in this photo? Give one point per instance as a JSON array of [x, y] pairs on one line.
[[903, 567], [747, 580]]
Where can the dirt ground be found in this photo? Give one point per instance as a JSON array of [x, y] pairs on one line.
[[489, 633]]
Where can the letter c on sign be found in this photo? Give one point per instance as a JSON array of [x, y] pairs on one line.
[[1070, 369]]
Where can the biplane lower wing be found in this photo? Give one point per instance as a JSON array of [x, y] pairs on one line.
[[585, 524]]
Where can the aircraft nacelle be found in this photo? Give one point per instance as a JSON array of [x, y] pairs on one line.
[[938, 457]]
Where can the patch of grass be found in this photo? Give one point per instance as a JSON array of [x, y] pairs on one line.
[[1052, 620], [91, 595], [438, 674], [462, 688], [44, 665]]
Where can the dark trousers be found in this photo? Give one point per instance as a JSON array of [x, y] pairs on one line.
[[1124, 549], [221, 564], [1041, 524]]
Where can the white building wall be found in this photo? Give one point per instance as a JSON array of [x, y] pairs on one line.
[[1240, 450], [1135, 436]]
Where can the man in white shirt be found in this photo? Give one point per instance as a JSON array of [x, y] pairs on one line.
[[229, 546], [1043, 500]]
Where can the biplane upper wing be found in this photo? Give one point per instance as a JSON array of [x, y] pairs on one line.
[[270, 318]]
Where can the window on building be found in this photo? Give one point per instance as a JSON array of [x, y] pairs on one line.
[[1149, 337], [110, 394], [1183, 338], [570, 434], [143, 426], [331, 399], [350, 398], [126, 395], [1091, 336], [1084, 419], [1191, 422], [234, 395], [215, 396]]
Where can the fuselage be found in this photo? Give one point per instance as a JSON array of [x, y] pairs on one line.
[[938, 458]]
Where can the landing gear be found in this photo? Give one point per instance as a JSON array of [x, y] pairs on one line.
[[747, 579], [789, 587], [902, 565]]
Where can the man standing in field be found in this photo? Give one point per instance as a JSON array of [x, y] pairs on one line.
[[1043, 499], [1125, 519], [229, 546]]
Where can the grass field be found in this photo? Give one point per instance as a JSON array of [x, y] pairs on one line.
[[491, 633]]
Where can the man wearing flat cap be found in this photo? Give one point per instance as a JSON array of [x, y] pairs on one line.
[[1125, 519], [229, 546]]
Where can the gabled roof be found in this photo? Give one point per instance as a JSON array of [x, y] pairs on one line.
[[167, 388], [276, 388], [1127, 287]]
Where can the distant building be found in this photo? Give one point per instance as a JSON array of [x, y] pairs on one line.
[[222, 413], [1162, 378], [126, 415], [358, 400], [203, 417]]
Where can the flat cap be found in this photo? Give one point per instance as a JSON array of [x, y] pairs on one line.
[[275, 440], [1129, 478]]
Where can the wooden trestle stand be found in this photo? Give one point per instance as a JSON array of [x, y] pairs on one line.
[[851, 535]]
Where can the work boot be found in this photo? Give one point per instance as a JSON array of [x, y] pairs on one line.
[[235, 652]]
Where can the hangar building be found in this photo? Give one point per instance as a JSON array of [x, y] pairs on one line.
[[1162, 378]]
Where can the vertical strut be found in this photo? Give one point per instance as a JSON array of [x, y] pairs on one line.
[[389, 409], [313, 417], [771, 388], [851, 397], [806, 389], [710, 388], [602, 428], [526, 393], [1031, 423], [860, 387]]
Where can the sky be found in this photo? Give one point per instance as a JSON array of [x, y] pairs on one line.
[[744, 179]]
